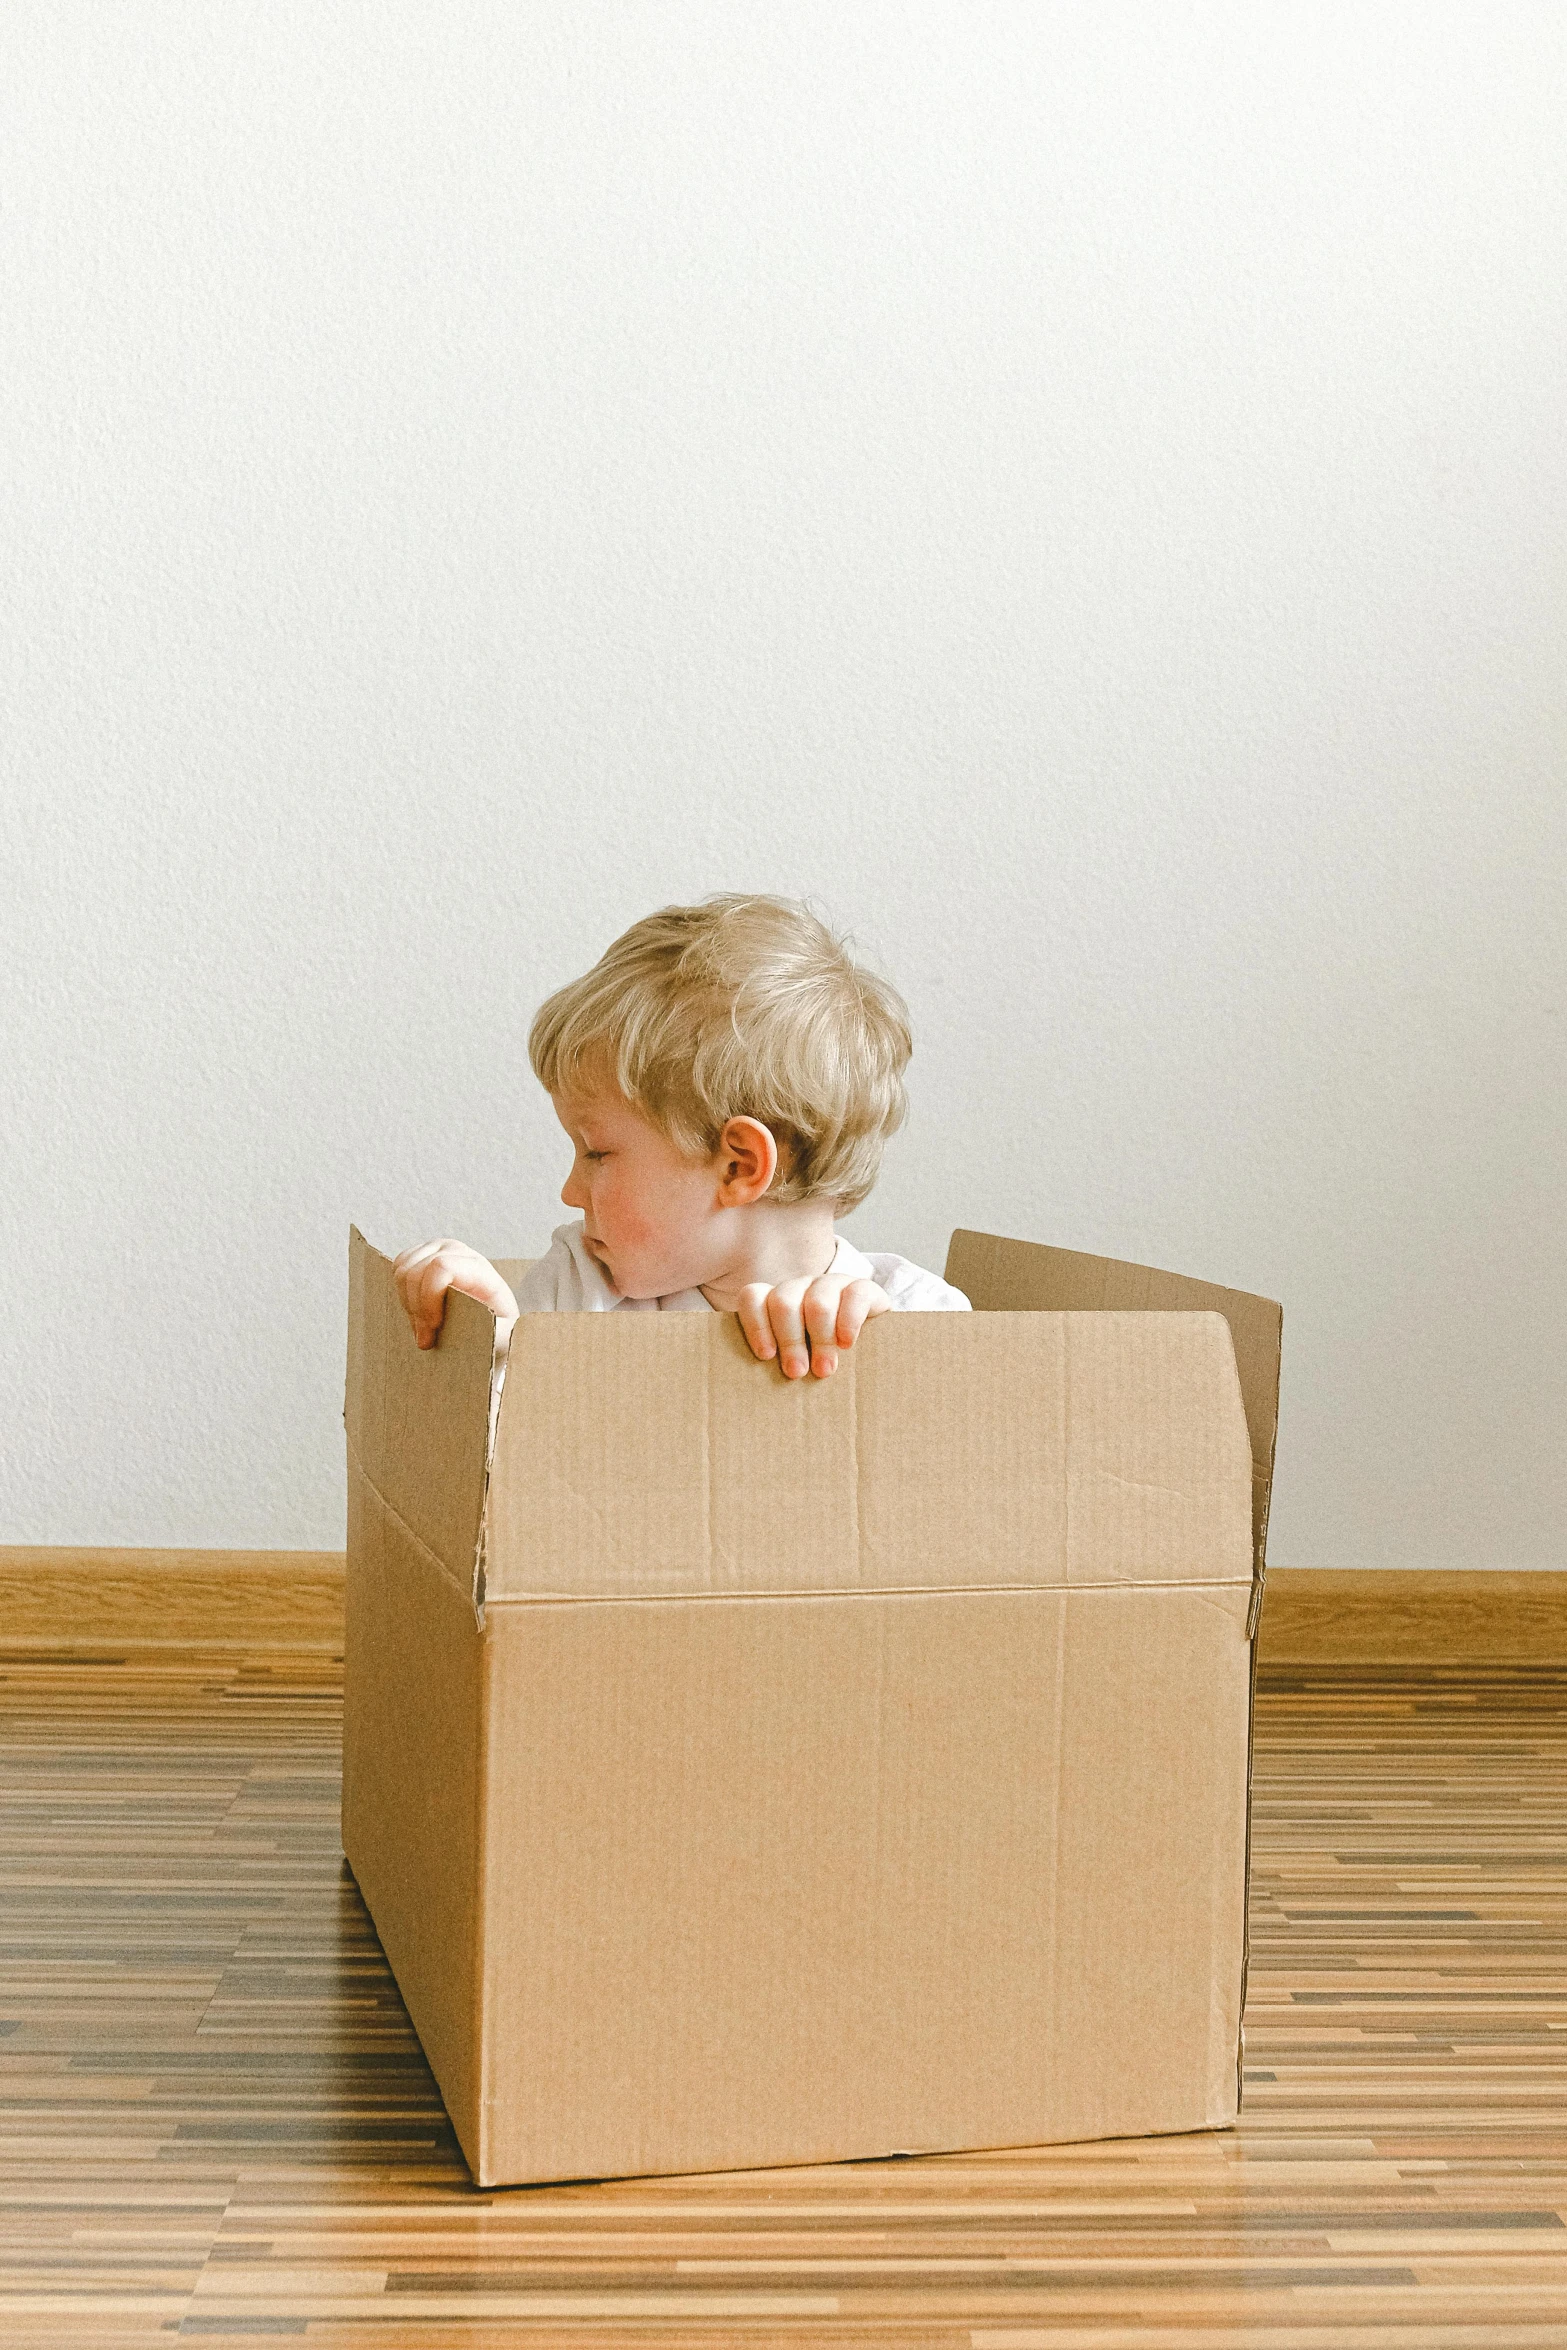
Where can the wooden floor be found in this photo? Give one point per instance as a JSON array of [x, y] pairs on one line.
[[218, 2124]]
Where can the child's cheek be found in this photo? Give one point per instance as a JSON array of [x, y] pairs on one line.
[[626, 1219]]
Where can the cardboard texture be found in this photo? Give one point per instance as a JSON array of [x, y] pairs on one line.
[[1019, 1275], [744, 1772]]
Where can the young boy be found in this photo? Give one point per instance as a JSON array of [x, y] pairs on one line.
[[727, 1077]]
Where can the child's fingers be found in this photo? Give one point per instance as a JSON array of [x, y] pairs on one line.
[[860, 1303], [751, 1307], [807, 1324], [423, 1276], [407, 1268], [820, 1312], [408, 1273], [429, 1306], [788, 1326]]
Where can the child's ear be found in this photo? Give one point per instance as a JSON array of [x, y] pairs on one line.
[[747, 1162]]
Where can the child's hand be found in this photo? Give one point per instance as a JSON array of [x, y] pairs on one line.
[[808, 1324], [424, 1275]]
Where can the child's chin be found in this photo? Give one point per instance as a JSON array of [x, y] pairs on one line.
[[644, 1285]]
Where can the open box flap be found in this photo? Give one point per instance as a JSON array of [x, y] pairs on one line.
[[1023, 1275], [418, 1419]]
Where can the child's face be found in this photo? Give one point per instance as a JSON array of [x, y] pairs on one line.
[[650, 1215]]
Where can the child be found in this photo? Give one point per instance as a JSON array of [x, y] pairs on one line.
[[727, 1077]]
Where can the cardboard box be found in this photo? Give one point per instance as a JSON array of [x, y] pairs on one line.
[[744, 1772]]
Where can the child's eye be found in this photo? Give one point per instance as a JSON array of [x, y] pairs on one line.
[[595, 1154]]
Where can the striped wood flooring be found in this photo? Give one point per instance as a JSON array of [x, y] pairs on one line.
[[219, 2126]]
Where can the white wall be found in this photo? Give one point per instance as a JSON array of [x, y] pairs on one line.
[[1078, 490]]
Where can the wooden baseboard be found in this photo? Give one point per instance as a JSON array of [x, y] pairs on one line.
[[68, 1600], [1394, 1616], [60, 1599]]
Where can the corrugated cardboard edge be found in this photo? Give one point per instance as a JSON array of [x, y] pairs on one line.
[[1000, 1274], [482, 1545], [511, 1270]]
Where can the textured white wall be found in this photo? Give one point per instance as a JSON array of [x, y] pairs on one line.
[[1078, 490]]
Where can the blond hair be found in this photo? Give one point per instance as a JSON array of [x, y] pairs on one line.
[[740, 1007]]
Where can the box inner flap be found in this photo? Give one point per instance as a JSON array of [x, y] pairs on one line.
[[1012, 1275]]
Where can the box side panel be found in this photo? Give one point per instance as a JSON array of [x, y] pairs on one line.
[[778, 1881], [1013, 1275], [412, 1752], [1151, 1894], [418, 1419], [770, 1880]]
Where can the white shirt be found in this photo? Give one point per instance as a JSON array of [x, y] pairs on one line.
[[568, 1281]]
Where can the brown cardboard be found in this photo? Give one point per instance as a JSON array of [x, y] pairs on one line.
[[744, 1772], [1023, 1275]]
